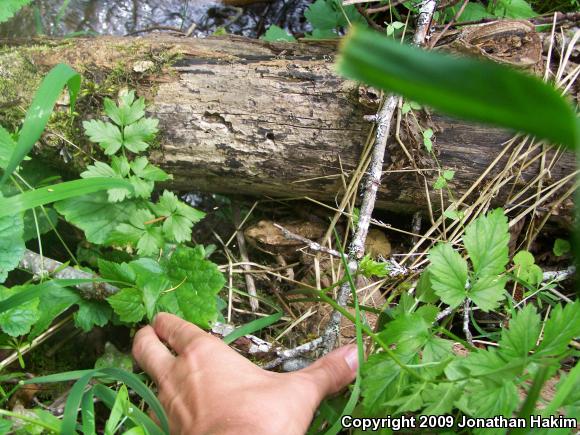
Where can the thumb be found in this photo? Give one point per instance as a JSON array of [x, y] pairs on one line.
[[333, 372]]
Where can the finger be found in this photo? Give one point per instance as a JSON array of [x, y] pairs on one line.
[[151, 355], [176, 332], [333, 372]]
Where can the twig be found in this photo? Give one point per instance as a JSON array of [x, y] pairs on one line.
[[373, 181], [443, 314], [40, 266], [559, 275], [312, 245], [367, 17], [466, 331], [250, 284], [433, 42]]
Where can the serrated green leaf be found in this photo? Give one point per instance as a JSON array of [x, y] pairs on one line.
[[11, 244], [369, 267], [408, 403], [486, 240], [91, 314], [46, 221], [107, 135], [440, 183], [440, 398], [120, 272], [152, 286], [198, 281], [95, 215], [487, 291], [525, 269], [120, 165], [322, 15], [378, 384], [128, 304], [562, 326], [495, 399], [448, 273], [142, 188], [471, 88], [143, 169], [18, 320], [136, 135], [521, 336], [99, 169], [275, 34]]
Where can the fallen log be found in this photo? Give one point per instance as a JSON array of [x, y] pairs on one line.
[[251, 117]]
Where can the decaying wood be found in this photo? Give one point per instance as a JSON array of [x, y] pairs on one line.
[[251, 117]]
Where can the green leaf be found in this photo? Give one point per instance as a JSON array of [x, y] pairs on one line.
[[40, 110], [470, 88], [521, 336], [10, 7], [495, 399], [378, 385], [136, 135], [561, 247], [107, 135], [7, 147], [152, 286], [525, 268], [562, 326], [46, 220], [11, 243], [57, 192], [424, 289], [142, 188], [120, 408], [128, 111], [472, 12], [18, 321], [487, 292], [440, 398], [516, 9], [180, 217], [486, 240], [448, 273], [143, 169], [440, 183], [95, 215], [198, 281], [369, 267], [128, 304], [54, 301], [91, 314], [140, 232], [113, 357], [120, 272], [322, 15], [275, 33]]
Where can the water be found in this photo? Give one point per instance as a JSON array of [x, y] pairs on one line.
[[126, 17]]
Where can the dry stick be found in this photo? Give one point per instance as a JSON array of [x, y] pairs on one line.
[[466, 330], [384, 118], [250, 284]]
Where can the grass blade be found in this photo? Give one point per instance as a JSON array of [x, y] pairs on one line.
[[73, 401], [251, 327], [88, 413], [45, 195], [40, 110], [469, 88]]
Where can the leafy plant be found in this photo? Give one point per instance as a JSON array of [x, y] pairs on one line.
[[10, 7]]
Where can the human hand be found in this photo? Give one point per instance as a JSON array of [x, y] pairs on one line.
[[208, 388]]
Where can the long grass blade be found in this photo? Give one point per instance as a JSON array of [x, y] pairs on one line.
[[40, 110], [253, 326]]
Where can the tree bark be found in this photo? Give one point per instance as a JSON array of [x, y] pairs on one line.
[[251, 117]]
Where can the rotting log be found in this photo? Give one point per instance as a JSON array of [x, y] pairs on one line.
[[251, 117]]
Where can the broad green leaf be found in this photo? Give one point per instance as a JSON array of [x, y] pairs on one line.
[[95, 215], [495, 399], [136, 135], [424, 289], [180, 217], [128, 111], [408, 403], [11, 243], [197, 283], [107, 135], [40, 110], [54, 300], [521, 336], [470, 88], [120, 272], [57, 192], [128, 304], [10, 7], [379, 374], [486, 240], [152, 286], [487, 291], [440, 398], [323, 15], [516, 9], [275, 34], [18, 320], [46, 220], [448, 273], [562, 326], [143, 169], [471, 12], [91, 314]]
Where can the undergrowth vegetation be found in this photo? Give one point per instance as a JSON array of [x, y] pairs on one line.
[[421, 356]]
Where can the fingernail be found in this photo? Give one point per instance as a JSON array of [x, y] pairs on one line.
[[351, 358]]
